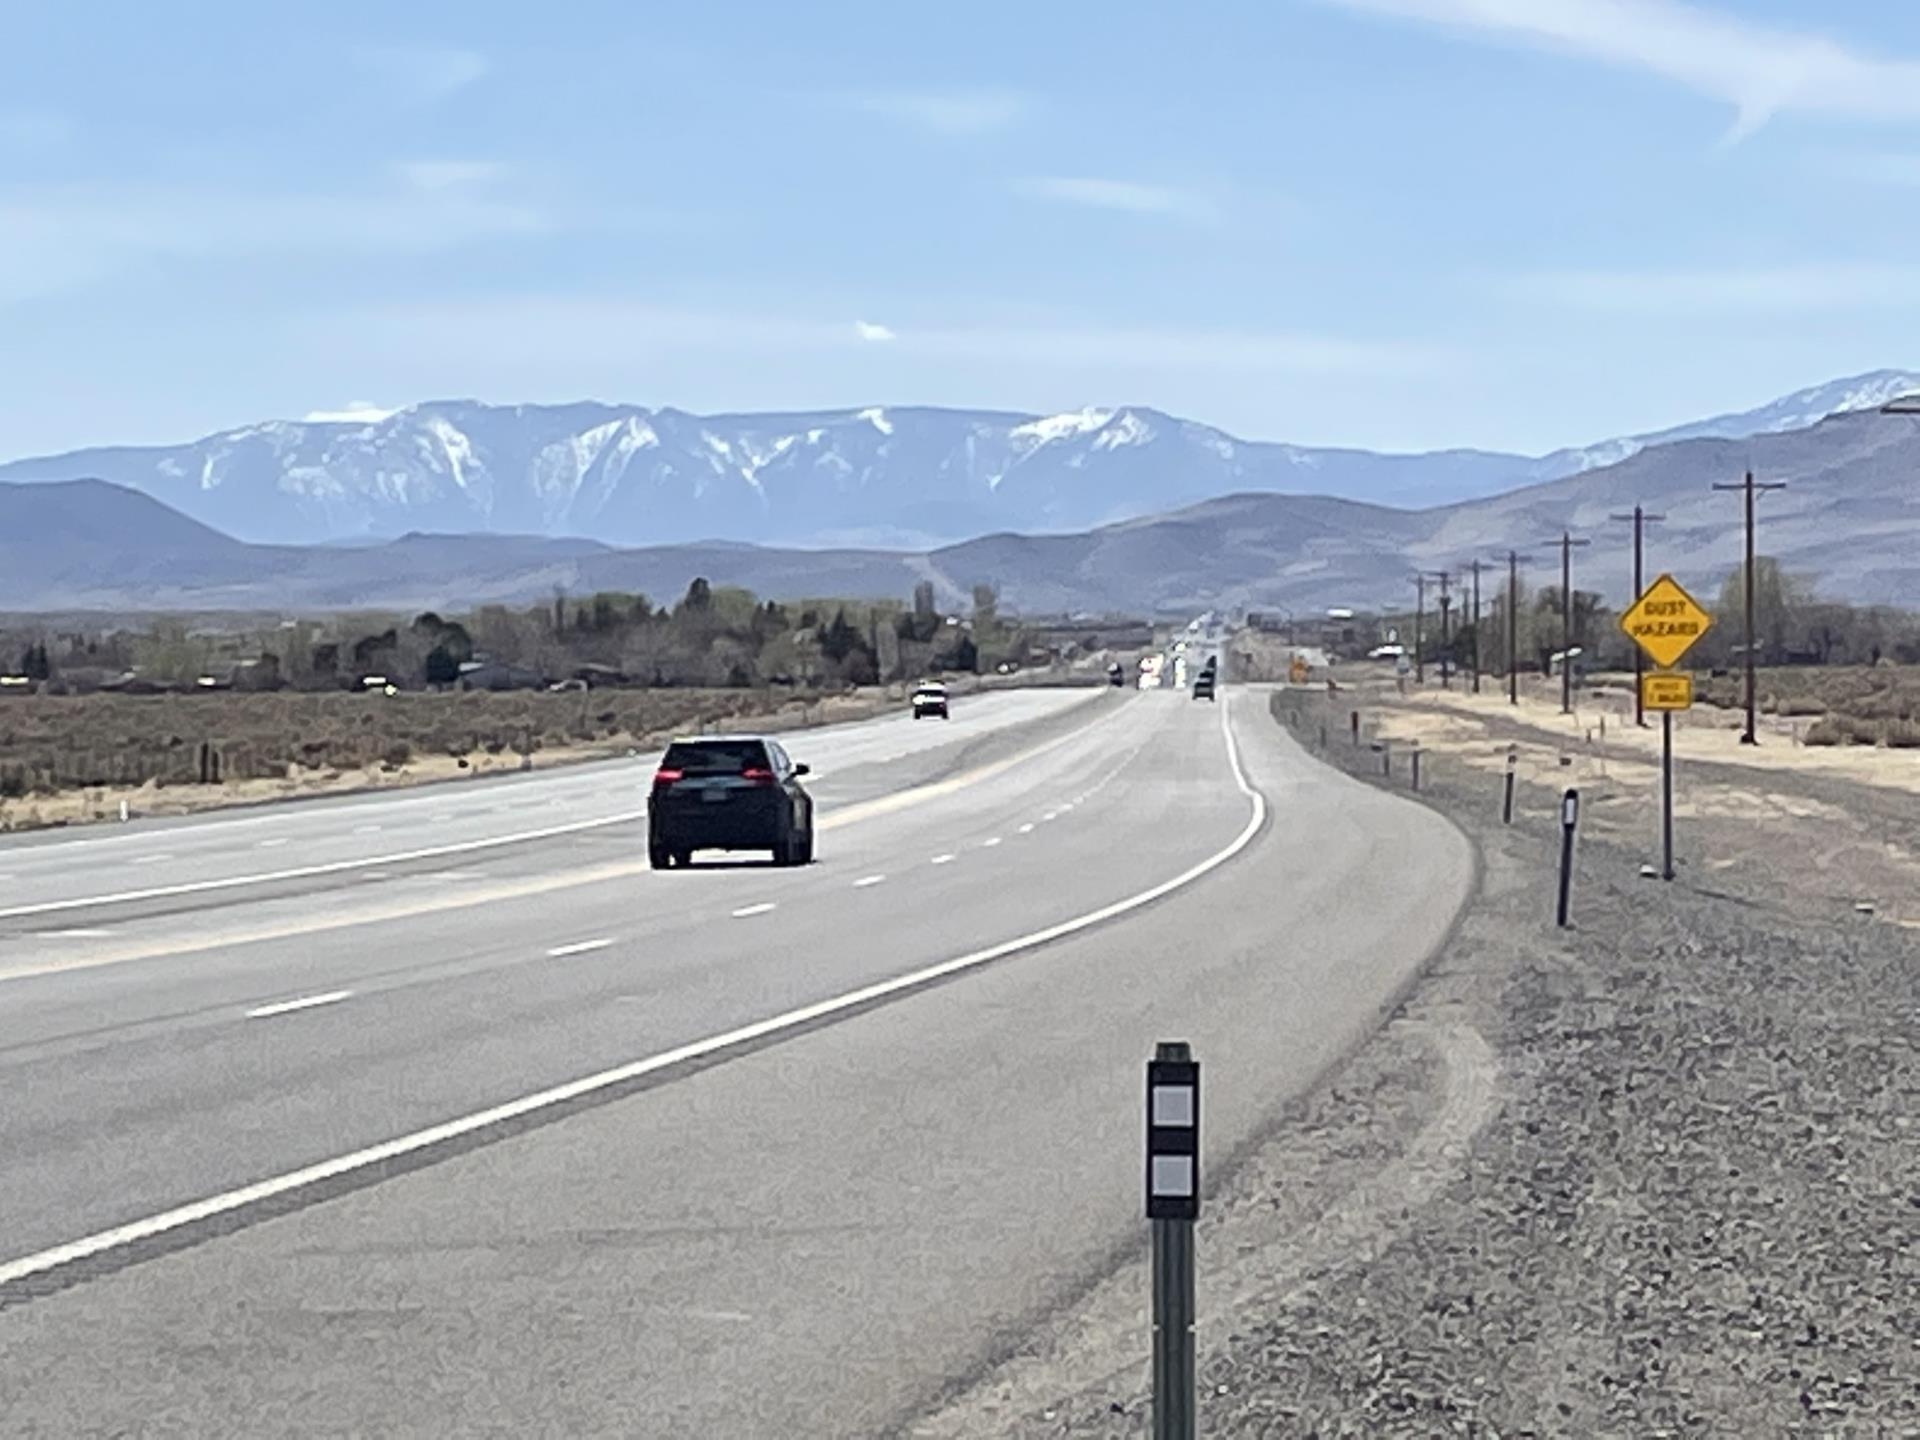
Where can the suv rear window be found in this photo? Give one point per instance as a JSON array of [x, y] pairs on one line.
[[716, 757]]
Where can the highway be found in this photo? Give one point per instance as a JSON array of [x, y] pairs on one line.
[[447, 1115]]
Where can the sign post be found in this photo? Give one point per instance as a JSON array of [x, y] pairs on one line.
[[1506, 806], [1569, 822], [1665, 623], [1173, 1204]]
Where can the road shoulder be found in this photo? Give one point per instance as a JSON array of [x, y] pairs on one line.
[[1647, 1175]]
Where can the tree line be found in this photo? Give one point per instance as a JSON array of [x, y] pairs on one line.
[[714, 636]]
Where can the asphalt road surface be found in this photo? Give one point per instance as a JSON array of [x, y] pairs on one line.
[[367, 1134]]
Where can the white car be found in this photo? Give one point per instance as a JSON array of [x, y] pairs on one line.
[[930, 700]]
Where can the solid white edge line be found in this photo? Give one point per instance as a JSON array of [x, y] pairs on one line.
[[578, 947], [305, 1002], [331, 867], [133, 1232], [747, 912]]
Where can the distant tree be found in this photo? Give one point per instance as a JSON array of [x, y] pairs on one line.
[[1777, 600], [34, 663], [699, 595], [840, 637], [441, 668], [986, 604]]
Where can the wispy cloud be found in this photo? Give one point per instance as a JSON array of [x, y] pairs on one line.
[[945, 112], [59, 237], [579, 332], [1760, 70], [1730, 290], [1127, 195], [448, 174], [33, 130], [1875, 167], [867, 330], [425, 74]]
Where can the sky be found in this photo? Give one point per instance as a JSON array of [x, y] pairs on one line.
[[1399, 224]]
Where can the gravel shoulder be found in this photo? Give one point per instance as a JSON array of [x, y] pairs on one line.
[[1657, 1174]]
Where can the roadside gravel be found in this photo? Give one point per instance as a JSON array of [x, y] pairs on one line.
[[1655, 1175]]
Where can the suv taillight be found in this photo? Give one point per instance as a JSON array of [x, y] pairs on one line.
[[667, 777], [758, 774]]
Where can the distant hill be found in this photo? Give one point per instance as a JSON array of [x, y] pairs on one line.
[[1849, 519], [908, 478]]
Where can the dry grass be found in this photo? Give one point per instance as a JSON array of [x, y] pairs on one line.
[[100, 745], [1869, 693]]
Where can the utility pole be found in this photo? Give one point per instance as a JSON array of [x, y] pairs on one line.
[[1640, 520], [1446, 626], [1514, 557], [1476, 567], [1567, 542], [1752, 737], [1419, 629]]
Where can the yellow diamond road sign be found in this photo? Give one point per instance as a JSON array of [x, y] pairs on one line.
[[1666, 621]]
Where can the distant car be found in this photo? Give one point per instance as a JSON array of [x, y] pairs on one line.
[[728, 792], [1116, 674], [930, 700], [1203, 686]]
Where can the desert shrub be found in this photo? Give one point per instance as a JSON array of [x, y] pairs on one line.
[[1901, 735], [1827, 731], [396, 754]]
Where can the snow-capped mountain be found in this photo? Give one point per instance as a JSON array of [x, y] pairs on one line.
[[1797, 411], [910, 477]]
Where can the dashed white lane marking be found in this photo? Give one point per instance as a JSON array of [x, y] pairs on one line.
[[305, 1002], [458, 875], [578, 947], [378, 875], [865, 880], [1027, 829], [80, 934], [366, 829], [941, 860], [990, 842], [151, 859], [747, 911], [229, 1201], [1050, 815], [273, 844], [332, 867]]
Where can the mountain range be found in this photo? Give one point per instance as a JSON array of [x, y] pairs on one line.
[[905, 478], [1849, 520]]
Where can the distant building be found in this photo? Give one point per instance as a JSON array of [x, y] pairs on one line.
[[499, 675]]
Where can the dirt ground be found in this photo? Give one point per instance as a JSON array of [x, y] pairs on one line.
[[1651, 1175], [102, 803]]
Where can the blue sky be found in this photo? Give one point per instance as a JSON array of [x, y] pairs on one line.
[[1393, 223]]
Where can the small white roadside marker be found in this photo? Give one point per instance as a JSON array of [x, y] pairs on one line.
[[579, 947], [305, 1002], [747, 911], [865, 880]]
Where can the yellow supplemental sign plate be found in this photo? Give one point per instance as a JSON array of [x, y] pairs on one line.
[[1666, 621], [1666, 692]]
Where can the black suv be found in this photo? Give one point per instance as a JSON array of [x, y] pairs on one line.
[[728, 792]]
